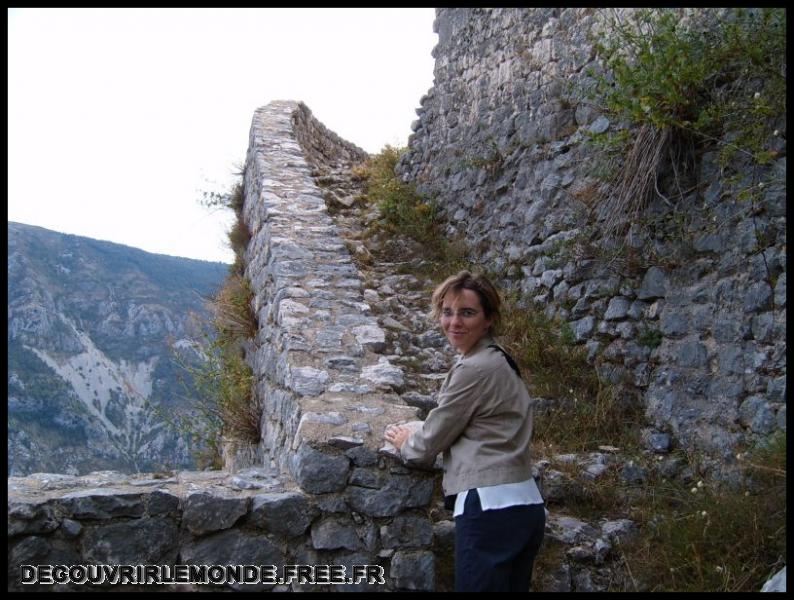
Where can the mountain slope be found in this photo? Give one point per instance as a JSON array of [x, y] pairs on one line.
[[89, 367]]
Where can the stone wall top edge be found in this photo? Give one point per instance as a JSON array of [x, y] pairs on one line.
[[297, 109], [42, 487]]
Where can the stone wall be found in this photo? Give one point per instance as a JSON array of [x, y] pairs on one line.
[[318, 490], [499, 144], [320, 377], [204, 518]]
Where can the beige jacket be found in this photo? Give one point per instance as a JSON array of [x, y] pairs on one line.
[[482, 424]]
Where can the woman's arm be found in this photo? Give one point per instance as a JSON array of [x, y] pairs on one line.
[[457, 403]]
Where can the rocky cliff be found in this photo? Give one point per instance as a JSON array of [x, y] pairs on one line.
[[89, 363]]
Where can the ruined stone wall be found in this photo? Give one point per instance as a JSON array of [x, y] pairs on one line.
[[317, 490], [324, 385], [499, 145]]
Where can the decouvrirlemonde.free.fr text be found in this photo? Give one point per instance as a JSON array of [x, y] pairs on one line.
[[201, 574]]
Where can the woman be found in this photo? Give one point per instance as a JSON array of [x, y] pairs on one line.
[[483, 425]]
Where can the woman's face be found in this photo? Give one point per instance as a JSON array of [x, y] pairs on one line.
[[463, 319]]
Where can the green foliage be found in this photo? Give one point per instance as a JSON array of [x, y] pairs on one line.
[[546, 348], [709, 78], [232, 306], [222, 403], [682, 88], [449, 256], [402, 211], [222, 383], [239, 234], [652, 338], [406, 214], [567, 337]]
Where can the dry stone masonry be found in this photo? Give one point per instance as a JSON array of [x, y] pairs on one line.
[[345, 345], [499, 144], [327, 389], [317, 490]]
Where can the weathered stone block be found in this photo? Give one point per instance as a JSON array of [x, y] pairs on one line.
[[141, 541], [36, 550], [284, 513], [206, 512], [162, 502], [371, 337], [362, 457], [692, 354], [756, 414], [569, 530], [674, 324], [307, 381], [334, 533], [319, 472], [400, 492], [618, 309], [103, 504], [654, 284], [246, 549], [758, 297], [407, 532], [368, 478], [413, 570], [31, 517], [583, 328]]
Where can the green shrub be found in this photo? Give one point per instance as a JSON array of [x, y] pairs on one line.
[[652, 338], [402, 210], [239, 234], [683, 89], [222, 403], [233, 314], [404, 213]]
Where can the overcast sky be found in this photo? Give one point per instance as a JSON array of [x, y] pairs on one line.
[[119, 118]]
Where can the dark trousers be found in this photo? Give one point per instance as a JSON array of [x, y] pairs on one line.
[[495, 549]]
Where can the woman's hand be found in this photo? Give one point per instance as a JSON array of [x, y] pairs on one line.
[[396, 435]]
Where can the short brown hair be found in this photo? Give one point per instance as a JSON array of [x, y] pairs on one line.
[[478, 283]]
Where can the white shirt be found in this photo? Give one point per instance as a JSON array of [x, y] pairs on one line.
[[502, 496]]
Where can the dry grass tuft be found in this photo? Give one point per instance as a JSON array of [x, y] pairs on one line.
[[638, 179]]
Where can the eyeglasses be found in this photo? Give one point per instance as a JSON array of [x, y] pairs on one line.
[[465, 313]]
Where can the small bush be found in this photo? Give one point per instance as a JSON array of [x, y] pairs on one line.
[[652, 338], [225, 405], [233, 314], [222, 401], [402, 210], [239, 234], [683, 88], [405, 214]]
